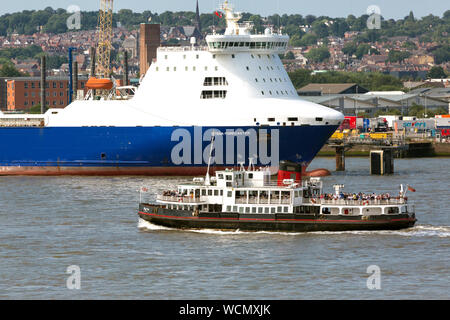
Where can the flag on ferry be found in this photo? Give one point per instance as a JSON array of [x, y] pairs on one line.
[[219, 14], [411, 189]]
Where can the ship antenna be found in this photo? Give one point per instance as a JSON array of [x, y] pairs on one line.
[[208, 178]]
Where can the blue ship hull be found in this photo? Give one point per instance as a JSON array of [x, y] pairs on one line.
[[132, 150]]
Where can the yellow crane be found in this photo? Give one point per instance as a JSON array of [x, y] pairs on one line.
[[103, 55], [105, 30]]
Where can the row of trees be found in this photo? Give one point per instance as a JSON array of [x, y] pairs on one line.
[[54, 21], [372, 81]]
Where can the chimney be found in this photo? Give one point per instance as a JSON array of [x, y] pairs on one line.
[[149, 42], [75, 80]]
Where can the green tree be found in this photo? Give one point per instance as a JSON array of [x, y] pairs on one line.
[[436, 72], [318, 54]]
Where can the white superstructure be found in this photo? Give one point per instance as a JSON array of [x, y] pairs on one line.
[[238, 79]]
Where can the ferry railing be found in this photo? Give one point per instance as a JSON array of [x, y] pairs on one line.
[[180, 199], [358, 202]]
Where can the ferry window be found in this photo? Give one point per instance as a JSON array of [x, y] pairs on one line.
[[256, 79], [194, 68], [319, 119], [220, 176], [216, 192], [174, 68], [392, 210], [253, 57], [262, 92], [167, 69], [206, 68], [197, 56], [241, 209], [184, 56], [229, 184], [253, 209], [248, 69], [214, 56], [203, 192], [285, 209], [234, 208], [233, 56], [260, 210], [229, 177], [292, 119], [228, 208], [266, 210], [247, 209], [279, 209], [230, 194], [250, 175], [272, 210], [209, 192], [157, 68], [271, 119]]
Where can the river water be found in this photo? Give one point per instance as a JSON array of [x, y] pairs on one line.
[[50, 223]]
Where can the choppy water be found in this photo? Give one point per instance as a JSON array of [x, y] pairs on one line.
[[49, 224]]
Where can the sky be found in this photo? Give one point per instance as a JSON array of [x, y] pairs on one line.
[[334, 8]]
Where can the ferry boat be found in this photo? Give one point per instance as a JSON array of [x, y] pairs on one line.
[[249, 200], [235, 86]]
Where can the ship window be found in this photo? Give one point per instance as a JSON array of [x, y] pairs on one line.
[[260, 210], [253, 209], [213, 94], [279, 209], [241, 209], [216, 68], [292, 119], [228, 208], [286, 209], [253, 57], [247, 209], [216, 192], [271, 119], [230, 194], [248, 69], [233, 56], [319, 119], [256, 80], [262, 92], [272, 210], [266, 210], [203, 192], [209, 192]]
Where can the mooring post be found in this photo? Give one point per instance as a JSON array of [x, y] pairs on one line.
[[340, 158]]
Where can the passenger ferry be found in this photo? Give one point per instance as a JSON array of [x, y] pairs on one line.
[[249, 200], [235, 85]]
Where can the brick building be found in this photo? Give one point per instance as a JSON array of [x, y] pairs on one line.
[[24, 93]]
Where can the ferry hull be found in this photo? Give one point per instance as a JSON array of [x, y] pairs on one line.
[[273, 222], [133, 150]]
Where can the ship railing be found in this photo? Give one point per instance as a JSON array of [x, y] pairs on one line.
[[183, 49], [180, 199], [359, 202], [262, 201]]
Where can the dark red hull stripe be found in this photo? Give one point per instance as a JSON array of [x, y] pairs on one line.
[[254, 219]]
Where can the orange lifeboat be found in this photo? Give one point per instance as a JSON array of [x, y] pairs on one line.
[[99, 84]]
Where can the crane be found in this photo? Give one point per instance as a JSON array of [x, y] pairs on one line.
[[103, 54], [105, 23]]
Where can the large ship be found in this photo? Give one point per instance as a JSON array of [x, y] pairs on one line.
[[235, 90]]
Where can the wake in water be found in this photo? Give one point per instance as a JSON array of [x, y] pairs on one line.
[[417, 231]]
